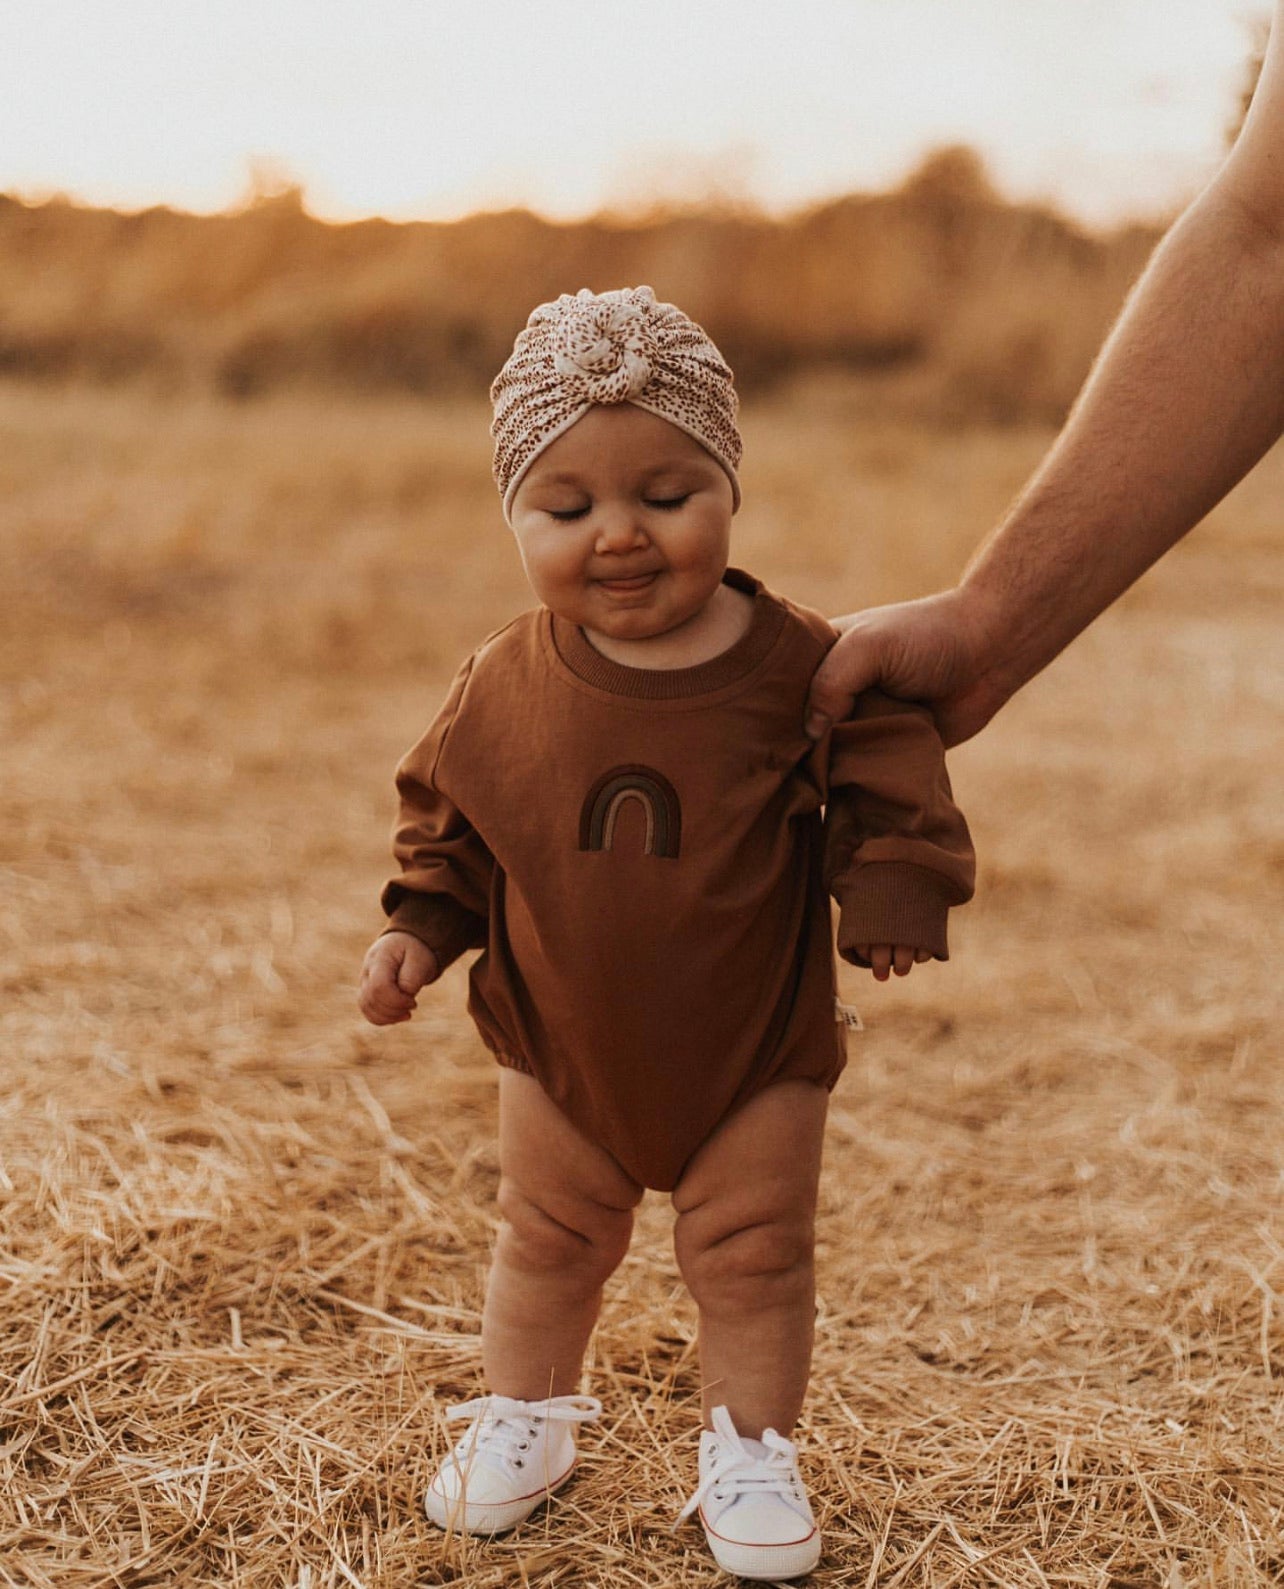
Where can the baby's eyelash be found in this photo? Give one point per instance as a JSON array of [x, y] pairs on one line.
[[665, 504]]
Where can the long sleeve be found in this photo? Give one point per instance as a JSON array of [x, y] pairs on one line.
[[442, 892], [897, 850]]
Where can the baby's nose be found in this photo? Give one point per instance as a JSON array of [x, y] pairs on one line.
[[618, 527]]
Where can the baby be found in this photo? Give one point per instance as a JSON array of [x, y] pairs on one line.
[[618, 806]]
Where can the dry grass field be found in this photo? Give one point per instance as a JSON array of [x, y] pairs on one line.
[[243, 1235]]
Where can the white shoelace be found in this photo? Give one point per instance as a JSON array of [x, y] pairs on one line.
[[503, 1427], [737, 1471]]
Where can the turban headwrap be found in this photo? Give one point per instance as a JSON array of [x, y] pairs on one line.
[[609, 347]]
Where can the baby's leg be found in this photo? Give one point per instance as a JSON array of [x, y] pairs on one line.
[[744, 1238], [566, 1212]]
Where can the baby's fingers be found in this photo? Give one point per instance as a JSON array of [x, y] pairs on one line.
[[884, 958], [379, 998], [381, 1008]]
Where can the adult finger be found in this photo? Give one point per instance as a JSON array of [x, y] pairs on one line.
[[850, 666], [917, 650]]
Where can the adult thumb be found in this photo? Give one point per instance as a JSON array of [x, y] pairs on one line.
[[850, 666]]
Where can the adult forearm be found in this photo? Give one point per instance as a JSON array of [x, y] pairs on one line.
[[1186, 396]]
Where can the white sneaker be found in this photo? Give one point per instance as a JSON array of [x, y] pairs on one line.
[[512, 1456], [755, 1511]]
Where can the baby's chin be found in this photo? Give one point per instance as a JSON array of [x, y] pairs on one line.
[[630, 633], [631, 626], [628, 617]]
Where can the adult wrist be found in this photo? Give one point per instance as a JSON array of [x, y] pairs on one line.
[[989, 631]]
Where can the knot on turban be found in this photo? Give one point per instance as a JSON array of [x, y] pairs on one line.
[[610, 347], [603, 350]]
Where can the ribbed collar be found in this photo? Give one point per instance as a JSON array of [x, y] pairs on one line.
[[673, 684]]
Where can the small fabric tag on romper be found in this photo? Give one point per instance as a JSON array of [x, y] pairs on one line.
[[849, 1015]]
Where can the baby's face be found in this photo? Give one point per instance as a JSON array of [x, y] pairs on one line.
[[624, 524]]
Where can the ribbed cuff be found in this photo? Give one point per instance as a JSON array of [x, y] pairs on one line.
[[893, 902], [440, 922]]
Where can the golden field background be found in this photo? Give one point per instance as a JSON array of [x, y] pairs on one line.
[[975, 306], [243, 1235]]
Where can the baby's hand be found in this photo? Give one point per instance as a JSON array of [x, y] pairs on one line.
[[395, 968], [885, 957]]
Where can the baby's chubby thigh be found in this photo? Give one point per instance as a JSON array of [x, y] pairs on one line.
[[746, 1201], [564, 1200]]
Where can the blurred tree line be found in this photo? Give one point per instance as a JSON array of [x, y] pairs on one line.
[[945, 296]]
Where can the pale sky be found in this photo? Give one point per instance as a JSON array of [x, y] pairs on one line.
[[421, 109]]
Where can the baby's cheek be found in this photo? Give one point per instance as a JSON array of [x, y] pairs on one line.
[[549, 565], [701, 566]]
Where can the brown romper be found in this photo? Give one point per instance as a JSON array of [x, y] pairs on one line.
[[640, 857]]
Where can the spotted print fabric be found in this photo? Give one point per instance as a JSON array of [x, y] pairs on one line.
[[609, 347]]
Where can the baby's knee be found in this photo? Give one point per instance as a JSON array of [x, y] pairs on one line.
[[571, 1234], [722, 1257]]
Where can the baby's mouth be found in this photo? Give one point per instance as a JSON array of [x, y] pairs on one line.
[[633, 582]]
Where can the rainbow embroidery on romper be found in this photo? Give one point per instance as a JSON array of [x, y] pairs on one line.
[[653, 792]]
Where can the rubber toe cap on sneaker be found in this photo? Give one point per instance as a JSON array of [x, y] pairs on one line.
[[484, 1503], [761, 1559]]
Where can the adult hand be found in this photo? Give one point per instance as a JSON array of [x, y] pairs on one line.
[[928, 651]]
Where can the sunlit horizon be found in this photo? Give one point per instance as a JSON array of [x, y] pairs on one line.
[[1109, 112]]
